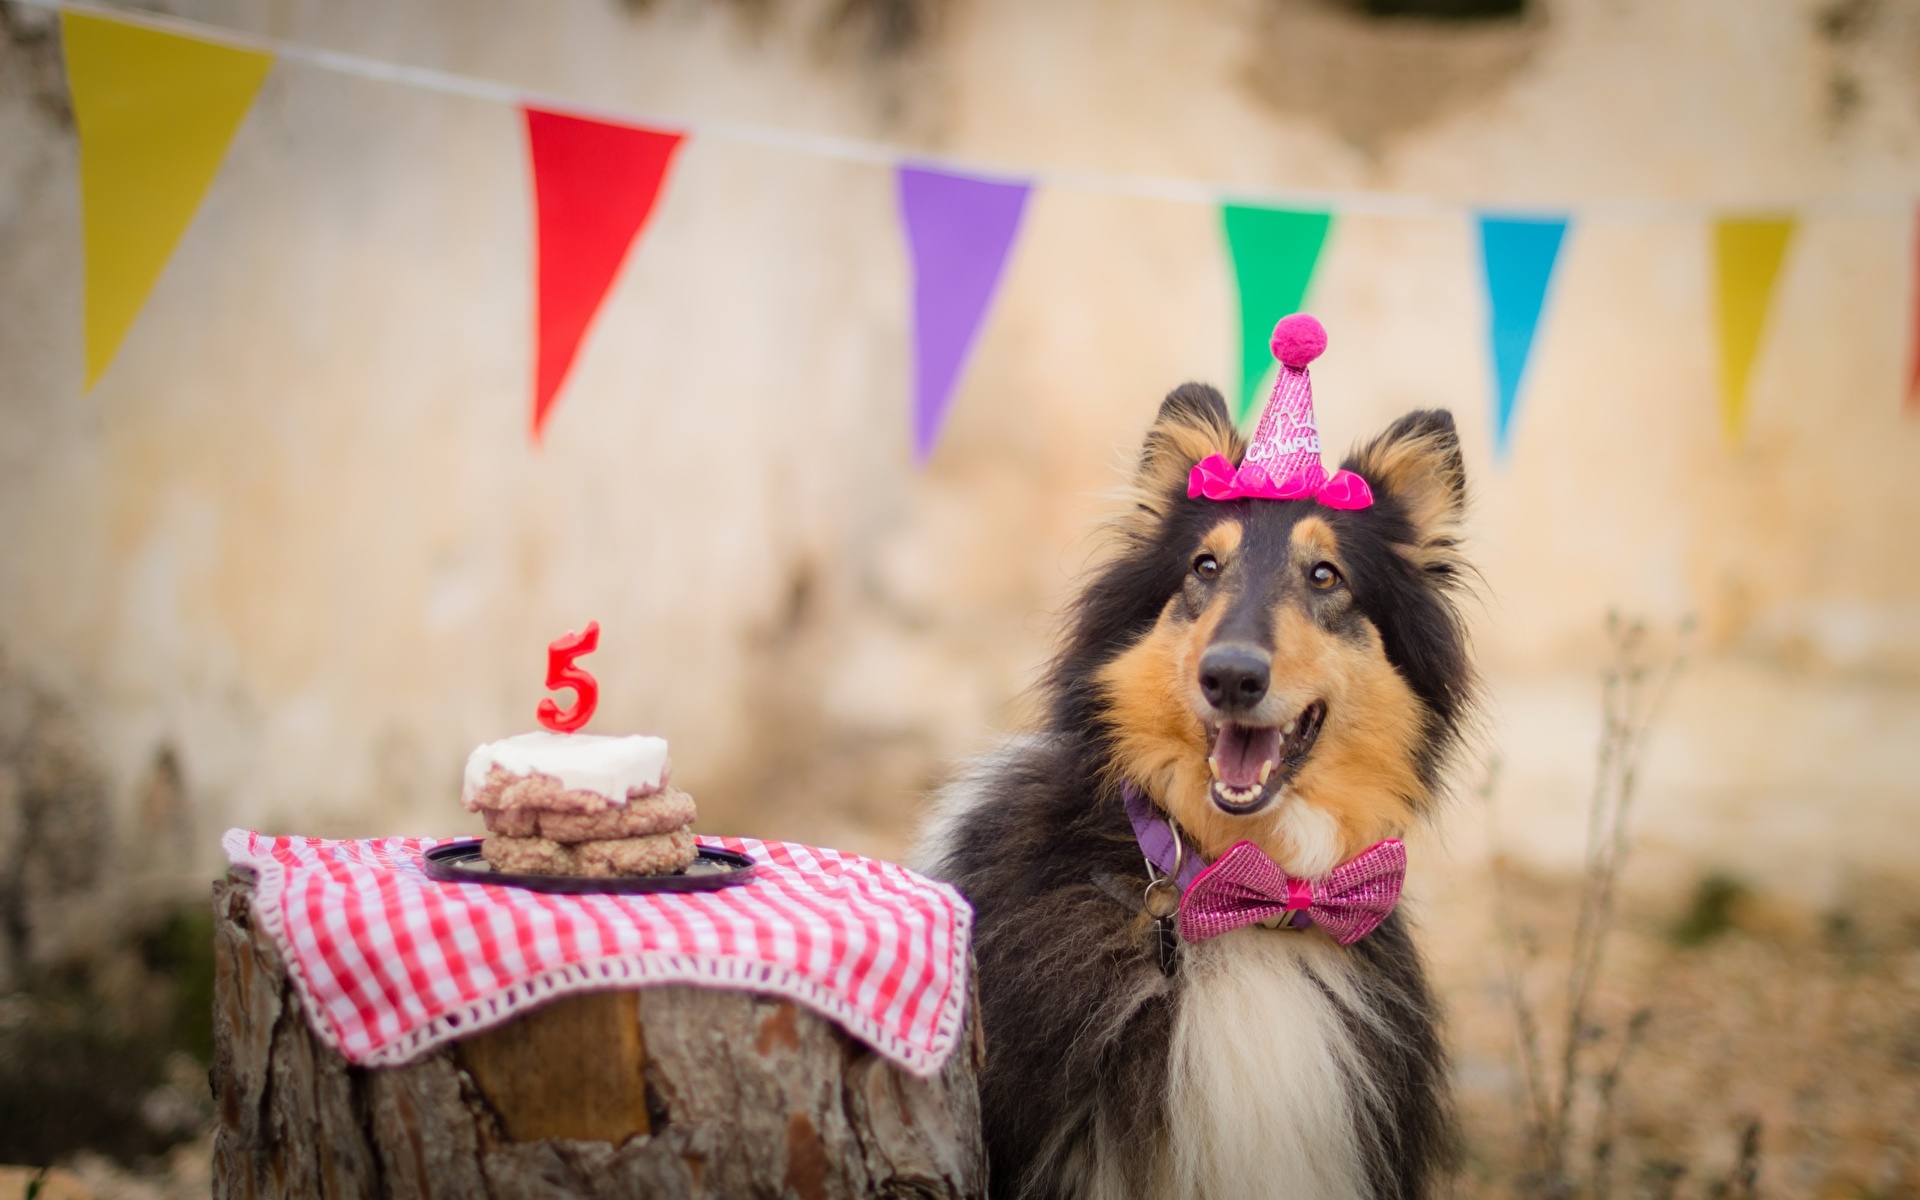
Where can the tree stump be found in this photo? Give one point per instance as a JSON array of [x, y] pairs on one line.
[[660, 1091]]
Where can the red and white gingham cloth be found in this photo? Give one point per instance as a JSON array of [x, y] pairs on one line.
[[390, 963]]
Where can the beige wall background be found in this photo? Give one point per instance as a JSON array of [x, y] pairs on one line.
[[294, 556]]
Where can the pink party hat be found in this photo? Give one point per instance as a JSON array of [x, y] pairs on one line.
[[1283, 460], [1286, 443]]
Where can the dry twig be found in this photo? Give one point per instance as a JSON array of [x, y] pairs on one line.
[[1634, 692]]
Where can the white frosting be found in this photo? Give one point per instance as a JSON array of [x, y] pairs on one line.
[[582, 762]]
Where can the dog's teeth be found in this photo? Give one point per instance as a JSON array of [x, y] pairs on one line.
[[1266, 770], [1236, 795], [1288, 730], [1213, 764]]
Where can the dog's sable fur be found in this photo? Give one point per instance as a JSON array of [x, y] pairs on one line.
[[1270, 1062]]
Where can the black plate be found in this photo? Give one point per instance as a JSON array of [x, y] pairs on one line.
[[460, 862]]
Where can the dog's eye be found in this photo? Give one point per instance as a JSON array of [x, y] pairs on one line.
[[1324, 575], [1206, 566]]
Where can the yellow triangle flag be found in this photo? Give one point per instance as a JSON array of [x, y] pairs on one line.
[[155, 112], [1747, 252]]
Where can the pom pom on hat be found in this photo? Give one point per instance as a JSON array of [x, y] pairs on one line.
[[1298, 340]]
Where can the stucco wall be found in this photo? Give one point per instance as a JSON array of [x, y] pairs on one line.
[[297, 538]]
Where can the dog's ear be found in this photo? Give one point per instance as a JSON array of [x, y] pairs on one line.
[[1193, 423], [1417, 462]]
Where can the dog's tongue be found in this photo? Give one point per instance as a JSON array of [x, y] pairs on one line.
[[1242, 750]]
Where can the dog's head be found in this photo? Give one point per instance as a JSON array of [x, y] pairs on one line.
[[1279, 671]]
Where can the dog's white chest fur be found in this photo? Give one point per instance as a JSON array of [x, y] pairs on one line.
[[1263, 1075]]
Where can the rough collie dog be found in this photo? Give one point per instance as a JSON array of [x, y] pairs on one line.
[[1278, 672]]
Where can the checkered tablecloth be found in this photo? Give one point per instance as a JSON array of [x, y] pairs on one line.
[[390, 963]]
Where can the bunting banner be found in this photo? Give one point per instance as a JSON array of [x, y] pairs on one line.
[[1519, 255], [155, 113], [1274, 252], [594, 185], [158, 100], [1747, 254], [959, 230]]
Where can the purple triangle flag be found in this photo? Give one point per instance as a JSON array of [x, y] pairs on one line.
[[959, 229]]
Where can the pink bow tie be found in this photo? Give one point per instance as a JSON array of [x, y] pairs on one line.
[[1244, 886], [1216, 479]]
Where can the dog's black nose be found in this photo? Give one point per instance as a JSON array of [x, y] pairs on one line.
[[1233, 677]]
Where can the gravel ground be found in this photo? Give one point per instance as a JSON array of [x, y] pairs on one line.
[[1798, 1030]]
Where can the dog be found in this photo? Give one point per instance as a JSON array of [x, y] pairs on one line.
[[1272, 671]]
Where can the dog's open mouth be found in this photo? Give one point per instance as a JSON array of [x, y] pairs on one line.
[[1251, 763]]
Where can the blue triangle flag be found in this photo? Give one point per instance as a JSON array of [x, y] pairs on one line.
[[1519, 253]]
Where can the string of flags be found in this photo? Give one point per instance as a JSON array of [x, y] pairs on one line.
[[157, 102]]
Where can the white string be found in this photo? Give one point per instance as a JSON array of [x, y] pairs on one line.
[[860, 150]]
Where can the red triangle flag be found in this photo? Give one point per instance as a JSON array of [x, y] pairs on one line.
[[594, 187]]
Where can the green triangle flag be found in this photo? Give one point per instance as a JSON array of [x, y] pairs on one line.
[[1747, 252], [155, 113], [1274, 252]]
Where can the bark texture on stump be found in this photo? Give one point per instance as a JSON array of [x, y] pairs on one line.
[[665, 1091]]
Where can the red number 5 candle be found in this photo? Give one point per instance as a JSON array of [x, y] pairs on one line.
[[561, 673]]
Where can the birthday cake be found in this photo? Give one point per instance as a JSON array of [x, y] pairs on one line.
[[579, 804]]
